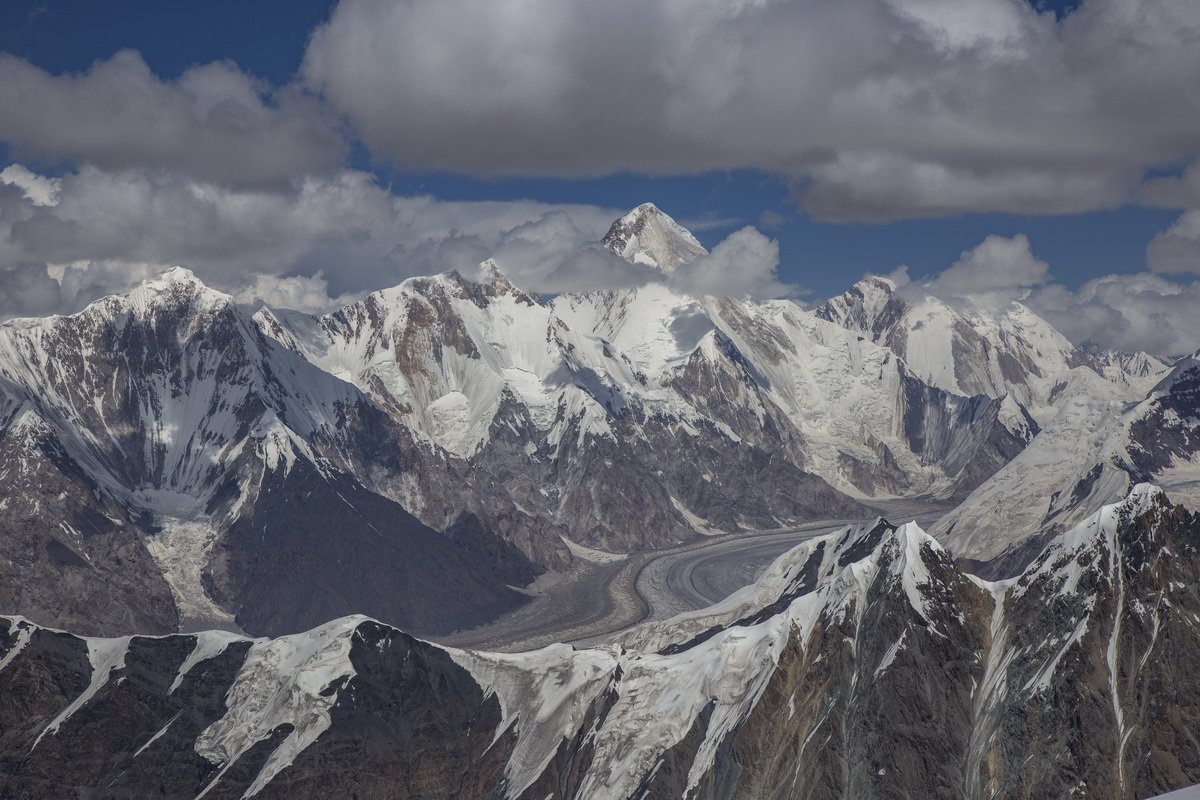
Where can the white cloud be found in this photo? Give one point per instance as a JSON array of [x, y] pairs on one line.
[[213, 122], [38, 189], [1174, 191], [308, 293], [324, 241], [1142, 311], [1177, 249], [1126, 312], [552, 254], [348, 227], [875, 108], [873, 186], [744, 264], [993, 273]]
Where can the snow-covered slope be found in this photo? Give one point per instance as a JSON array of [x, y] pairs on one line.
[[464, 364], [971, 351], [1080, 400], [505, 422], [1096, 447], [815, 682], [170, 422], [160, 390], [648, 236]]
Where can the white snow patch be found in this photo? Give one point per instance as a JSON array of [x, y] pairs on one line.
[[24, 633], [890, 656], [158, 735], [591, 554], [209, 644], [282, 681], [105, 655], [544, 693]]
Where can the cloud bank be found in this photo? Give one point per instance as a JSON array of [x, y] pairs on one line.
[[65, 241], [213, 123], [1177, 249], [875, 109], [1136, 312], [870, 109]]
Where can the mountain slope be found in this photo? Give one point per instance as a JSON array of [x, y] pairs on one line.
[[182, 431], [1097, 447], [967, 351], [480, 429], [648, 236], [815, 682], [779, 416], [71, 553]]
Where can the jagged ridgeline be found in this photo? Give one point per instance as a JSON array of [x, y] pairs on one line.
[[171, 461], [863, 664]]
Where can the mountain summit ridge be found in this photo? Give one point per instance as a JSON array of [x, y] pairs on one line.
[[483, 420], [647, 235]]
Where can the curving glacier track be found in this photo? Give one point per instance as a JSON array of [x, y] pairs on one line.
[[594, 602]]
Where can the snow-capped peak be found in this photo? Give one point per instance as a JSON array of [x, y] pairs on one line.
[[177, 285], [869, 306], [1073, 551], [648, 236], [173, 275]]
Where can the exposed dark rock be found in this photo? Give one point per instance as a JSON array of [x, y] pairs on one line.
[[896, 675], [316, 547]]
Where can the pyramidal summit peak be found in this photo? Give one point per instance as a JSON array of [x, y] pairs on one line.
[[647, 235]]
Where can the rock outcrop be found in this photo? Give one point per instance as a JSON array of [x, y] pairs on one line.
[[862, 664]]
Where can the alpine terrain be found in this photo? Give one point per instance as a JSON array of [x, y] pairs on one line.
[[865, 663], [236, 542]]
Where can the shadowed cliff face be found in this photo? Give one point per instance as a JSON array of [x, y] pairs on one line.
[[71, 553], [863, 664]]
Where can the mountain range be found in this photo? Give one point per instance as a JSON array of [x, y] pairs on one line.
[[157, 446], [245, 517], [865, 663]]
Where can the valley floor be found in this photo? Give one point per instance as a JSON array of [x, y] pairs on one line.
[[596, 602]]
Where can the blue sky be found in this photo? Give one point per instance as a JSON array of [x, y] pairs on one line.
[[828, 235]]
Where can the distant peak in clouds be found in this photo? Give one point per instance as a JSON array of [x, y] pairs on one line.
[[648, 236]]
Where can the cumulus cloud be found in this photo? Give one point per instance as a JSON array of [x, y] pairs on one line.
[[1133, 312], [1174, 191], [871, 109], [744, 264], [994, 273], [553, 254], [1126, 312], [38, 189], [878, 186], [347, 226], [212, 123], [1177, 249], [875, 109], [27, 290], [308, 293]]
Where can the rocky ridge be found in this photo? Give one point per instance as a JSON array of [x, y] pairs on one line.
[[864, 663], [184, 461]]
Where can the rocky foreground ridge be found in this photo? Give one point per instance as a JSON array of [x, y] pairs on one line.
[[863, 664]]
